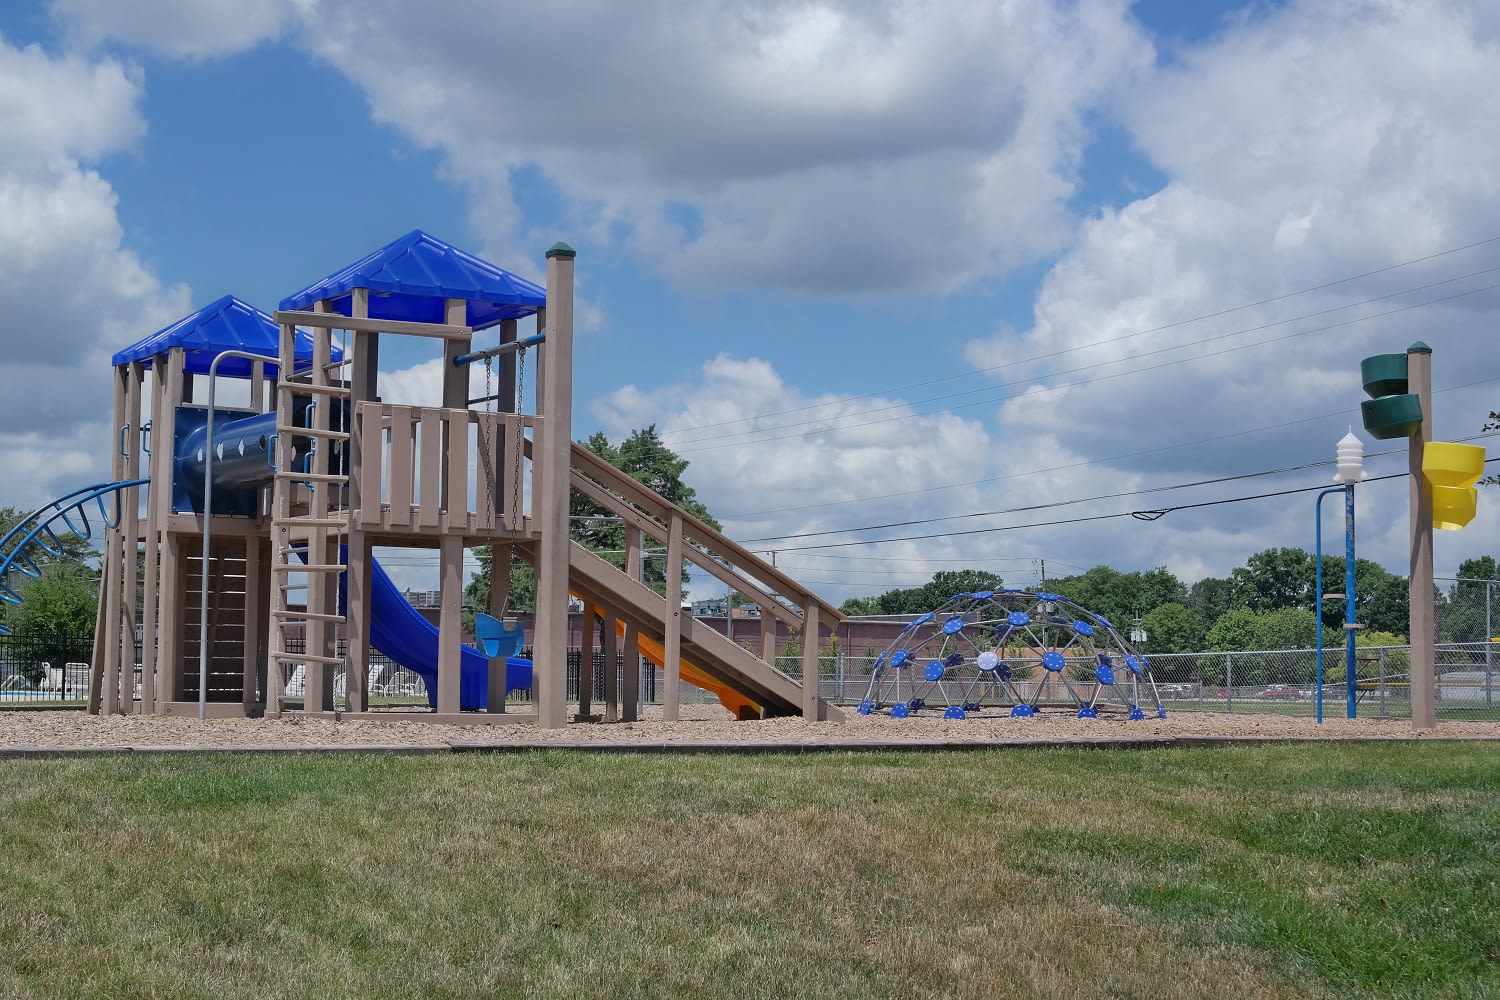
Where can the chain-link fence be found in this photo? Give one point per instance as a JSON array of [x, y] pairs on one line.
[[52, 669], [1282, 681]]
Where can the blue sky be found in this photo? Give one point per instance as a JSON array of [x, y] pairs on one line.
[[965, 256]]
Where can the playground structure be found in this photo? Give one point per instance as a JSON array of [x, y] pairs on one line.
[[1015, 651], [238, 540]]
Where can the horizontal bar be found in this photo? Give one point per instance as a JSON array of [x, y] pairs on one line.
[[309, 568], [292, 615], [325, 390], [313, 477], [510, 348], [308, 658], [359, 324]]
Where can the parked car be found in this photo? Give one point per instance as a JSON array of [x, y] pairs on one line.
[[1281, 692]]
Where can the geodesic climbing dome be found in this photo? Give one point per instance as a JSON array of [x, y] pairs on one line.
[[1011, 651]]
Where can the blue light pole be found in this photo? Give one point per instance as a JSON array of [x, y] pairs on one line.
[[1350, 465]]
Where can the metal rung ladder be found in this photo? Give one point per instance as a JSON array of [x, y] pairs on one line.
[[320, 530]]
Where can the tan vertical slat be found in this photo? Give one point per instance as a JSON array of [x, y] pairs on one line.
[[369, 425], [154, 669], [456, 514], [513, 476], [431, 469], [450, 622], [672, 660], [403, 427], [255, 597], [488, 486], [767, 637], [810, 670], [130, 529]]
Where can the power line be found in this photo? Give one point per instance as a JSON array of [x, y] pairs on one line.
[[1077, 465], [1140, 515], [1090, 381], [1053, 504], [1139, 333]]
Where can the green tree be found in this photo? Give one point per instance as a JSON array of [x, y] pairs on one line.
[[1173, 628], [856, 606], [1121, 597], [1462, 610], [1211, 597], [944, 585], [56, 617], [1286, 628], [644, 458], [1276, 578], [1236, 629]]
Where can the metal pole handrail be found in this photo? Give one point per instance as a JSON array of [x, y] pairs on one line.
[[1318, 591], [208, 521]]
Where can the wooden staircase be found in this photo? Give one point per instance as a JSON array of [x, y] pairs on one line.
[[686, 538]]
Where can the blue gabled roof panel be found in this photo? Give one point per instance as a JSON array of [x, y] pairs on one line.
[[227, 324], [411, 278]]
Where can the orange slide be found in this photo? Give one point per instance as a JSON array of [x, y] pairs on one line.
[[728, 697]]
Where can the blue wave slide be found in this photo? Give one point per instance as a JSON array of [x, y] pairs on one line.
[[399, 631]]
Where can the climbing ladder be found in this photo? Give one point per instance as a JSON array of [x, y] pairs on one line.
[[309, 523]]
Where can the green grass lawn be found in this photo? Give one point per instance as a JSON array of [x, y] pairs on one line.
[[1266, 871]]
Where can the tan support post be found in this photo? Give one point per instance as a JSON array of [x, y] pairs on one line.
[[630, 709], [611, 668], [631, 681], [450, 624], [1423, 706], [109, 637], [586, 664], [810, 664], [362, 388], [672, 648], [155, 672], [552, 468]]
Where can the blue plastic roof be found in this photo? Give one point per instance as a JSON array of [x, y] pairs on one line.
[[410, 278], [228, 324]]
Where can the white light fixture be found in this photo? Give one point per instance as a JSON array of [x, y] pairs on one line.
[[1350, 461]]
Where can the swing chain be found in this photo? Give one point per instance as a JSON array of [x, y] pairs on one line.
[[515, 492]]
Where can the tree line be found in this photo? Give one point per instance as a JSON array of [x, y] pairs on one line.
[[1267, 603]]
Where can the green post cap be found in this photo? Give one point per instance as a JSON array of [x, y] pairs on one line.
[[561, 249], [1420, 347], [1384, 374]]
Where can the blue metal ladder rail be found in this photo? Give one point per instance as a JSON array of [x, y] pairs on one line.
[[36, 534]]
